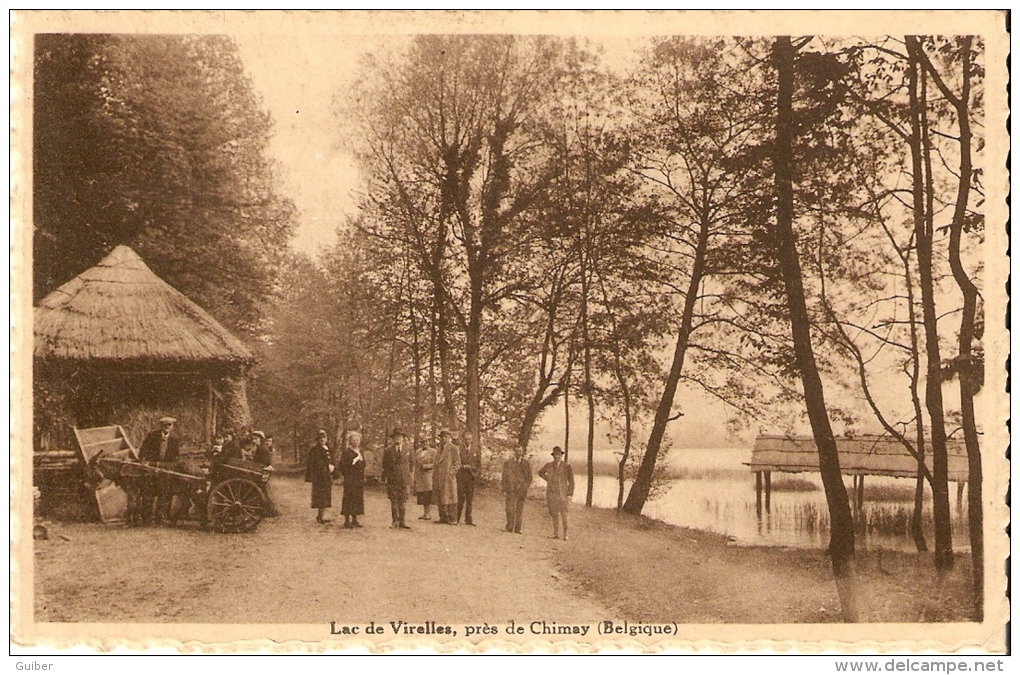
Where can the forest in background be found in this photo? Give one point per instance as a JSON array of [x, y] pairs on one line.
[[794, 225]]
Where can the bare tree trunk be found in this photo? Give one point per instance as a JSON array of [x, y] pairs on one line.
[[416, 364], [643, 481], [933, 379], [841, 541], [586, 347], [625, 389], [445, 367], [916, 524], [566, 407], [966, 366], [433, 393], [473, 373]]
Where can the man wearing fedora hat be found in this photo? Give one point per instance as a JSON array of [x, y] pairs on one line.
[[160, 447], [396, 473], [559, 479]]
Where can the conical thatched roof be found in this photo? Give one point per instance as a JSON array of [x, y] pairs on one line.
[[121, 311]]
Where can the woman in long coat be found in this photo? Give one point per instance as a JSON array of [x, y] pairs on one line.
[[352, 467], [319, 472], [424, 460]]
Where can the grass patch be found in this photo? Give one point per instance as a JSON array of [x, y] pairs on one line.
[[649, 570], [794, 485], [888, 493]]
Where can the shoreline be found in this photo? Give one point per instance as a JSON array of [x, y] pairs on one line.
[[648, 570]]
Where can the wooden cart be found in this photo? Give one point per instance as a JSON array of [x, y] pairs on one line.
[[226, 496]]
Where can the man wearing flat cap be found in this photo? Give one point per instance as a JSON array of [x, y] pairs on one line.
[[160, 448], [559, 488], [396, 473]]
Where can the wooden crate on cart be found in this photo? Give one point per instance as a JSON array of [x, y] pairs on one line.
[[110, 442]]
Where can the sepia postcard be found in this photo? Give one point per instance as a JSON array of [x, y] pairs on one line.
[[514, 332]]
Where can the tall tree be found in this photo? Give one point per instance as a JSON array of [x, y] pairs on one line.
[[158, 142], [458, 150], [922, 192], [967, 364], [841, 542], [695, 128]]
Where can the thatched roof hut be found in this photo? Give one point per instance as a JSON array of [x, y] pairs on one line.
[[118, 345], [120, 311]]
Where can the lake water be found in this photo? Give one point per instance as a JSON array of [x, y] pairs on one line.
[[715, 491]]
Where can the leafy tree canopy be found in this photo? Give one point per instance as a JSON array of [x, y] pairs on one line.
[[158, 142]]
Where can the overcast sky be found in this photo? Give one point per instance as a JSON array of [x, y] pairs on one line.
[[298, 79]]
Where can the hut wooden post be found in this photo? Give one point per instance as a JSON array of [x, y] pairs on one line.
[[757, 493], [210, 416], [768, 492]]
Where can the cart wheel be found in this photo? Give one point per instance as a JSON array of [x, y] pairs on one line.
[[235, 505]]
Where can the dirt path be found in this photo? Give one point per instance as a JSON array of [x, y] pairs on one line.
[[293, 570]]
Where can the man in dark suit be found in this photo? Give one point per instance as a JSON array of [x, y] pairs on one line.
[[396, 473], [516, 481], [160, 448], [466, 478]]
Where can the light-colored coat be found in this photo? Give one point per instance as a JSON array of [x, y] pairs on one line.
[[444, 476], [424, 462], [559, 479]]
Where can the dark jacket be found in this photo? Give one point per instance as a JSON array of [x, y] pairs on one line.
[[317, 473], [353, 502], [149, 452], [231, 450], [467, 461], [263, 455], [396, 472], [516, 477]]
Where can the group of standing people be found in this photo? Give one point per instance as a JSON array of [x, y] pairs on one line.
[[320, 469], [444, 476]]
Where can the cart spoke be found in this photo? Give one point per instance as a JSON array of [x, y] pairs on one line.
[[236, 505]]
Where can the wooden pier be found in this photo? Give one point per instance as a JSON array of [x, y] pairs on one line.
[[858, 457]]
